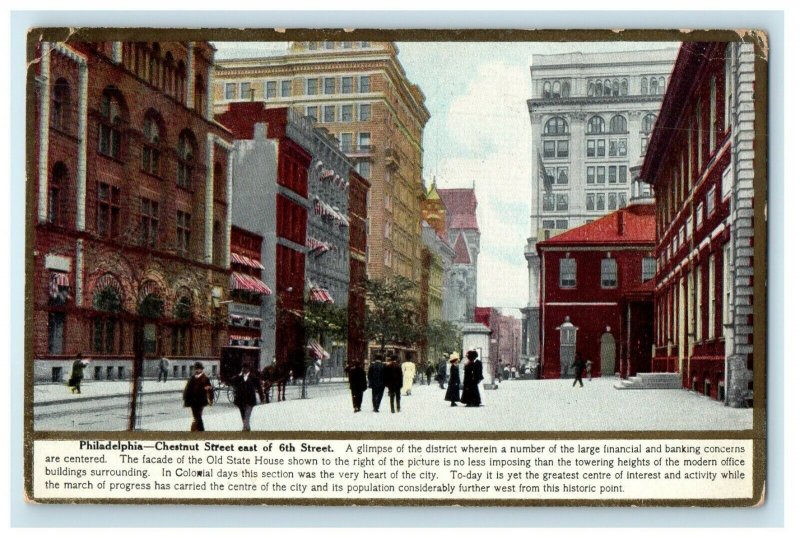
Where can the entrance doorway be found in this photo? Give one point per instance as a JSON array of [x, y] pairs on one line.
[[608, 353]]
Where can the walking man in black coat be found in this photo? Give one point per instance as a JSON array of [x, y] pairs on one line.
[[358, 384], [246, 386], [441, 374], [393, 379], [375, 378], [578, 364], [196, 395]]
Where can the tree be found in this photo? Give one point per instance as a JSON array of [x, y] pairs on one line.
[[392, 316], [325, 320], [443, 337]]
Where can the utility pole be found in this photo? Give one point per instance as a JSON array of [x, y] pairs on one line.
[[136, 385]]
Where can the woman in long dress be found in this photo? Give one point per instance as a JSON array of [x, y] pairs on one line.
[[473, 375], [454, 382], [409, 372]]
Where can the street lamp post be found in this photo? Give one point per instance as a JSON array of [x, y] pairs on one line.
[[134, 418]]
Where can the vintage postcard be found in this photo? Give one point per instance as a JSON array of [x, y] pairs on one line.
[[396, 267]]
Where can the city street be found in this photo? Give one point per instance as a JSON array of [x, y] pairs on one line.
[[546, 405]]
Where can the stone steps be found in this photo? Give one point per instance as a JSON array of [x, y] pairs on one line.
[[650, 381]]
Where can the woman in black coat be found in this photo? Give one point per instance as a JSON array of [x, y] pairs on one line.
[[454, 383], [473, 375]]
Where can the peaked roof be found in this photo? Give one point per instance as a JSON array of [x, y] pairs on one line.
[[461, 205], [632, 224], [433, 192], [462, 251]]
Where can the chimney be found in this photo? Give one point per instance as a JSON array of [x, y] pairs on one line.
[[620, 222]]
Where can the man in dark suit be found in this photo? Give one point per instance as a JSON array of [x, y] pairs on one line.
[[393, 379], [375, 378], [246, 386], [358, 384], [578, 364], [196, 395]]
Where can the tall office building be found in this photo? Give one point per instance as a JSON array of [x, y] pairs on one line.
[[359, 92], [591, 118]]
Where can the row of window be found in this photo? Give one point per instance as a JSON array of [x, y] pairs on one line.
[[558, 125], [617, 147], [596, 201], [597, 174], [336, 85], [694, 222], [609, 87], [555, 89], [330, 45], [568, 272], [347, 113]]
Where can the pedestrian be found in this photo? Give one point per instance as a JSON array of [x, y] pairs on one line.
[[429, 370], [578, 364], [197, 394], [267, 378], [473, 375], [454, 383], [589, 369], [376, 383], [441, 373], [358, 384], [409, 372], [75, 378], [393, 379], [163, 369], [246, 386]]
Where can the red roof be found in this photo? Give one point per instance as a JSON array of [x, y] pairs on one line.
[[462, 252], [631, 224], [461, 205]]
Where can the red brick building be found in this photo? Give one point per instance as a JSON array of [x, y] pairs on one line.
[[357, 345], [247, 290], [131, 191], [700, 162], [504, 341], [599, 277]]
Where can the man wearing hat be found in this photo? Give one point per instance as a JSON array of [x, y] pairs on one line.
[[196, 395], [454, 383]]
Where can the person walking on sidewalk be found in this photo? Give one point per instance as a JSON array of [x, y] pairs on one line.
[[76, 376], [578, 364], [454, 383], [409, 373], [473, 375], [163, 369], [393, 379], [375, 378], [429, 370], [358, 384], [246, 386], [196, 395], [441, 374]]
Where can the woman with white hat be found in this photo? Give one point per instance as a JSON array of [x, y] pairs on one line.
[[454, 383]]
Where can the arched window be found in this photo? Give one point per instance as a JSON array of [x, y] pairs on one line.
[[169, 74], [186, 151], [546, 90], [653, 86], [111, 114], [607, 88], [618, 124], [180, 82], [644, 86], [662, 83], [107, 303], [181, 331], [623, 87], [590, 89], [615, 88], [61, 105], [151, 147], [556, 89], [199, 94], [57, 194], [556, 125], [565, 88], [154, 65], [596, 125], [183, 306], [647, 123]]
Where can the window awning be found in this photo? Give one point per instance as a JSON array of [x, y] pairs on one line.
[[241, 281], [317, 351], [321, 209], [57, 282], [241, 259], [317, 246], [320, 295]]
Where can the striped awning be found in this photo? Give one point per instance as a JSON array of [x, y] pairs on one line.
[[243, 282], [58, 281], [321, 209], [317, 246], [320, 295], [317, 351], [241, 259]]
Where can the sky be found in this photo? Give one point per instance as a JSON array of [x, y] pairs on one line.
[[479, 134]]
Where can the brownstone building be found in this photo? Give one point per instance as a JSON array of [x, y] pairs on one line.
[[356, 311], [131, 189]]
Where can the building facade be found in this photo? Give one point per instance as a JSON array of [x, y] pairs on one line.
[[132, 208], [591, 119], [247, 290], [701, 165], [597, 294], [360, 93], [464, 236], [357, 345], [504, 340]]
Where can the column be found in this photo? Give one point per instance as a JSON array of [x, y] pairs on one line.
[[116, 52], [44, 129], [209, 111], [79, 273], [83, 116], [226, 254], [190, 76], [208, 240]]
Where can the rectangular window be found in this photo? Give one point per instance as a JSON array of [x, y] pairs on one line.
[[590, 175], [612, 148], [727, 182], [590, 148], [623, 174], [184, 227], [549, 149], [328, 45], [103, 335], [622, 145], [561, 224], [244, 90], [230, 90], [562, 175], [347, 113], [364, 112], [698, 280], [648, 268], [271, 89], [712, 116], [612, 174], [311, 86], [601, 202], [568, 269], [364, 141], [347, 141], [364, 169], [563, 149], [699, 122], [562, 202], [601, 174], [698, 216], [363, 84], [347, 84], [601, 148], [712, 297], [549, 224], [148, 222], [711, 200], [623, 200], [108, 204], [55, 333], [590, 202], [608, 273], [329, 85], [644, 145], [312, 112], [727, 306], [612, 200], [286, 88], [329, 114], [548, 202]]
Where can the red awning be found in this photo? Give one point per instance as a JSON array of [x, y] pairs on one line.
[[241, 281], [320, 295], [58, 281], [317, 351], [241, 259]]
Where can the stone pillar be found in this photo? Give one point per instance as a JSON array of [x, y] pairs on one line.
[[208, 239], [79, 273], [226, 253], [190, 76], [83, 116], [116, 52], [209, 111], [44, 129], [476, 336]]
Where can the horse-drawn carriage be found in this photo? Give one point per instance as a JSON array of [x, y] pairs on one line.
[[230, 364]]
